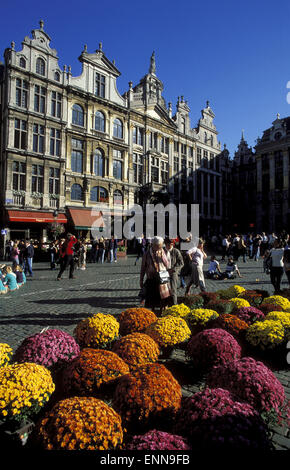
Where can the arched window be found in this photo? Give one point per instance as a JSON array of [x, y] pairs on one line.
[[40, 66], [99, 121], [99, 163], [76, 192], [118, 129], [94, 196], [99, 194], [22, 62], [57, 76], [77, 115], [118, 197]]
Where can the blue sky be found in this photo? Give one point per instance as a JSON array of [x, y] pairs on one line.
[[236, 55]]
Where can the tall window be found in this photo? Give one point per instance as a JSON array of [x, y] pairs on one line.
[[164, 172], [198, 154], [21, 93], [138, 136], [176, 164], [54, 175], [118, 197], [37, 179], [99, 121], [100, 85], [22, 62], [40, 66], [118, 129], [138, 168], [155, 170], [76, 192], [19, 176], [78, 115], [39, 99], [38, 138], [77, 155], [183, 125], [153, 140], [117, 164], [57, 76], [55, 142], [20, 134], [99, 163], [56, 104]]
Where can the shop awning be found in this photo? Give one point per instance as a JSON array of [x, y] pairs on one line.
[[36, 217], [86, 219]]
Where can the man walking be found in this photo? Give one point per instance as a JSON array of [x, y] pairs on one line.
[[28, 258], [176, 264], [66, 252]]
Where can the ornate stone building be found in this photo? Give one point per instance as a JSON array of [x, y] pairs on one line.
[[273, 196], [68, 143]]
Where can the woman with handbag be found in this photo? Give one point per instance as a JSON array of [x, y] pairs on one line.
[[155, 265]]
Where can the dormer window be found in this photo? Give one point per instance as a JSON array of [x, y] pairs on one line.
[[40, 66], [22, 62], [100, 85], [57, 76]]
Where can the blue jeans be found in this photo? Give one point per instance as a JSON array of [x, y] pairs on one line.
[[111, 255], [101, 255], [257, 254], [28, 266]]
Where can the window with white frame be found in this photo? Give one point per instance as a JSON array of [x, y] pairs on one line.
[[20, 134], [38, 138], [100, 85], [78, 115], [118, 128], [117, 164], [155, 169], [21, 93], [39, 99], [138, 136], [56, 104], [100, 121], [37, 178], [55, 142], [164, 172], [19, 176], [54, 181]]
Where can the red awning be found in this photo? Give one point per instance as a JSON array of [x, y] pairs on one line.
[[86, 219], [36, 217]]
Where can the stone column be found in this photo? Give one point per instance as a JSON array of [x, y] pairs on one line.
[[285, 203]]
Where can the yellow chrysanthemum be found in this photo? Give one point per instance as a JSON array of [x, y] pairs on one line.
[[97, 331], [201, 316], [278, 300], [266, 334], [180, 310], [169, 331], [284, 318], [239, 303], [5, 354]]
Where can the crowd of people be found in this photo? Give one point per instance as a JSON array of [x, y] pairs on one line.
[[164, 265]]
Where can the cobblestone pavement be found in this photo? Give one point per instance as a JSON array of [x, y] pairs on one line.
[[108, 288]]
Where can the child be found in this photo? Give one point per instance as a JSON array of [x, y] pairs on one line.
[[231, 269], [10, 279], [19, 275], [214, 271], [3, 289]]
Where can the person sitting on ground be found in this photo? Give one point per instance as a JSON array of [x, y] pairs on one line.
[[10, 279], [19, 275], [231, 269], [214, 271], [3, 289]]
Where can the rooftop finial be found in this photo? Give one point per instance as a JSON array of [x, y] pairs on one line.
[[152, 68], [278, 115], [41, 24], [100, 46], [207, 104], [242, 134]]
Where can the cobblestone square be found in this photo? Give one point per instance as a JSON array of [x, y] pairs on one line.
[[107, 288]]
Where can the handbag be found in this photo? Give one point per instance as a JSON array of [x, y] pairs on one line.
[[163, 277]]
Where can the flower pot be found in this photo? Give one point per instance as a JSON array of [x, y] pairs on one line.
[[16, 434]]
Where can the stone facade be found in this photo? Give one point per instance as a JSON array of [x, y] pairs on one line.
[[272, 160], [69, 143]]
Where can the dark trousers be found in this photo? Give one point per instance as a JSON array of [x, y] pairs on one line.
[[66, 261], [276, 274]]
